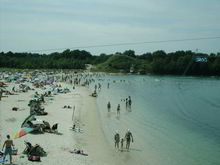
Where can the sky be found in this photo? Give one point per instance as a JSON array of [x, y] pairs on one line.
[[46, 26]]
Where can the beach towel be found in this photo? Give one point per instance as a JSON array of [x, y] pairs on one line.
[[34, 158]]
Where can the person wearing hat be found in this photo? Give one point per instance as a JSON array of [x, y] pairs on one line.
[[117, 139], [128, 138]]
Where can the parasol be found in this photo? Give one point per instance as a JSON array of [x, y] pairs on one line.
[[22, 132]]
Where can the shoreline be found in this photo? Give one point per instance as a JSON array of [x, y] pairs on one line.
[[96, 137], [106, 73]]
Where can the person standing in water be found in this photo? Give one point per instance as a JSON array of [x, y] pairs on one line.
[[118, 109], [117, 139], [122, 143], [99, 86], [8, 148], [129, 100], [126, 103], [109, 106], [128, 138]]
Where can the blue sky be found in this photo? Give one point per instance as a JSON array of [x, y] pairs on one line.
[[37, 25]]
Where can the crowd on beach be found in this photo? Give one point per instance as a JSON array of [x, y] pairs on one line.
[[23, 83], [49, 82]]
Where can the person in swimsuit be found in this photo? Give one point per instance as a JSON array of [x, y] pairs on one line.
[[109, 106], [117, 139], [118, 109], [128, 138], [8, 148]]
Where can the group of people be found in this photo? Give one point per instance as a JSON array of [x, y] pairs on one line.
[[109, 108], [128, 102], [128, 105], [128, 139]]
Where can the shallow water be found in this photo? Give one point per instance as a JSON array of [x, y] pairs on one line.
[[174, 120]]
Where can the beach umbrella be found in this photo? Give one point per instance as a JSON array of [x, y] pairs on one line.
[[22, 132], [29, 118]]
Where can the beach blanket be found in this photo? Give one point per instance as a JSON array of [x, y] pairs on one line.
[[34, 158]]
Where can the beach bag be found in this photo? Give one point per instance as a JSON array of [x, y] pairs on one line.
[[14, 109], [34, 158]]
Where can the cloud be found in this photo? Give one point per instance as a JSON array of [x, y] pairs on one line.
[[36, 25]]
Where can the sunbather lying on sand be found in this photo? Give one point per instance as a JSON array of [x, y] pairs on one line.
[[36, 150], [75, 151], [46, 127]]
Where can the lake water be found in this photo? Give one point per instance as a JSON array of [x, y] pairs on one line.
[[174, 120]]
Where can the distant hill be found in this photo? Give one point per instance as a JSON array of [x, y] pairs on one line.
[[117, 63]]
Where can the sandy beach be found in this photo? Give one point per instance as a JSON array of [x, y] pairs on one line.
[[91, 139]]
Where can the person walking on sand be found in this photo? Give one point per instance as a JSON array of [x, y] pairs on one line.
[[117, 139], [118, 109], [128, 138], [8, 148]]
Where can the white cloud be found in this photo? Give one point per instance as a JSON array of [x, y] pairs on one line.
[[32, 25]]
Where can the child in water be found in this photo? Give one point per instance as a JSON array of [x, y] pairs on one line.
[[122, 143]]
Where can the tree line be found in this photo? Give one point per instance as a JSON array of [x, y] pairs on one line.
[[158, 62]]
